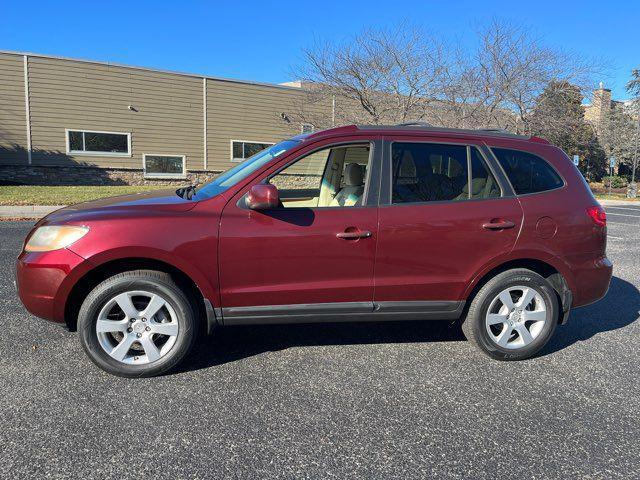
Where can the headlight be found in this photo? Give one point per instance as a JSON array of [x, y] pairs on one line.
[[49, 238]]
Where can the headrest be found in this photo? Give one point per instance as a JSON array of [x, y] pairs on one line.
[[353, 174], [477, 184], [407, 166]]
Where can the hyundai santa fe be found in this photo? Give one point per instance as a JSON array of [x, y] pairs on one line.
[[355, 223]]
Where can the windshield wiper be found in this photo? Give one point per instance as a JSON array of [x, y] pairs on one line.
[[186, 192]]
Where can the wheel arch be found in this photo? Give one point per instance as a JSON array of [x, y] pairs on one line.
[[554, 273], [90, 279]]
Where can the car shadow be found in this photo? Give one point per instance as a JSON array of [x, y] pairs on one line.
[[229, 344], [618, 309]]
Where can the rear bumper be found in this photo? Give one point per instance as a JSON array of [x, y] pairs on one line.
[[592, 278], [44, 280]]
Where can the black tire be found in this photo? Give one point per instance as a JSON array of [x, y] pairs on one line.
[[474, 326], [146, 280]]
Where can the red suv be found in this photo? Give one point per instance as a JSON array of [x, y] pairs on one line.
[[356, 223]]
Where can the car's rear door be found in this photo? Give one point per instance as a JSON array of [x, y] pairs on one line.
[[446, 210], [300, 262]]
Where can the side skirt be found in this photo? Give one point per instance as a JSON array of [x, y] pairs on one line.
[[342, 312]]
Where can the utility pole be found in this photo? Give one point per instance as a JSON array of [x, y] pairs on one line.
[[633, 188]]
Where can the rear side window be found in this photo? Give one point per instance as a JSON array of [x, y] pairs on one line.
[[431, 172], [527, 172]]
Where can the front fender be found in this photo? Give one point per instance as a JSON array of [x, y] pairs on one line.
[[98, 260]]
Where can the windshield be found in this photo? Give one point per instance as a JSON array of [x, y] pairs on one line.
[[242, 170]]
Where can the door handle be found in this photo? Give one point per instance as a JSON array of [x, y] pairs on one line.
[[497, 224], [353, 235]]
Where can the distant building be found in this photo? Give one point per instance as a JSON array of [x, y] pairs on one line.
[[597, 112], [68, 121]]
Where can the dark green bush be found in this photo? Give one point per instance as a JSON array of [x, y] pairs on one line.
[[616, 181]]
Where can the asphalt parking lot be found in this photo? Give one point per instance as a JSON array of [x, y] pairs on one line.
[[401, 400]]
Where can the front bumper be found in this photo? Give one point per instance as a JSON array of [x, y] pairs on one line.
[[44, 281]]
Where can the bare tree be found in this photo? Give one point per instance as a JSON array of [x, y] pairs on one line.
[[377, 77], [383, 76]]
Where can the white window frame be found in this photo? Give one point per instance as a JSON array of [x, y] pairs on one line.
[[303, 124], [237, 160], [96, 154], [177, 176]]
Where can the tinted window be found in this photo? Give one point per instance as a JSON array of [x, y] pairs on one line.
[[483, 183], [528, 173], [428, 172]]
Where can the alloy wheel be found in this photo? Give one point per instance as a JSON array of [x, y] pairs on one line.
[[516, 317], [137, 327]]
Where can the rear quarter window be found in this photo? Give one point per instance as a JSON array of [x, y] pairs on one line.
[[528, 173]]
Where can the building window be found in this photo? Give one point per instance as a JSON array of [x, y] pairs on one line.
[[242, 149], [164, 166], [307, 128], [88, 142]]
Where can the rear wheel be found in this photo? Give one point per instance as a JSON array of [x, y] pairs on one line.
[[513, 315], [137, 324]]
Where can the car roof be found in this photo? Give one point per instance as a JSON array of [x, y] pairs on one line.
[[419, 127]]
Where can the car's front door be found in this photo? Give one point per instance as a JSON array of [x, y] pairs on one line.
[[446, 210], [311, 259]]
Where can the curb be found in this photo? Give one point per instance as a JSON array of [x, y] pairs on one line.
[[604, 202], [27, 211]]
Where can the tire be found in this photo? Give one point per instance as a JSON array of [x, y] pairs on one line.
[[524, 330], [114, 315]]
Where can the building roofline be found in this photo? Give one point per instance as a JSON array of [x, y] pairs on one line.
[[148, 69]]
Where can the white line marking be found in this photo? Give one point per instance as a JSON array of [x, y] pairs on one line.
[[616, 238], [625, 224], [625, 208], [623, 215]]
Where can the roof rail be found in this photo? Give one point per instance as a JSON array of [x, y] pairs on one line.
[[456, 131]]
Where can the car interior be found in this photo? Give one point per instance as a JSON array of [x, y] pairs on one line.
[[332, 177], [425, 172]]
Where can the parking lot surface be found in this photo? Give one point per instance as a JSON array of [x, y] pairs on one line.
[[394, 400]]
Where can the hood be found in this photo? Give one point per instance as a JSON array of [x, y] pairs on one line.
[[136, 203]]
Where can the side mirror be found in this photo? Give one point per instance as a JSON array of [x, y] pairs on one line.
[[263, 197]]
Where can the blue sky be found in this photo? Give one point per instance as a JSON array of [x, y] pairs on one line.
[[262, 41]]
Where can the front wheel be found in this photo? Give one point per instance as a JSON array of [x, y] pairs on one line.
[[513, 315], [137, 324]]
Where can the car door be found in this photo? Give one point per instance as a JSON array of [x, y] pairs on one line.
[[310, 259], [446, 210]]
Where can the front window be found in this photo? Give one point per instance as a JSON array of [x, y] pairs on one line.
[[88, 142], [242, 149], [331, 177], [243, 170]]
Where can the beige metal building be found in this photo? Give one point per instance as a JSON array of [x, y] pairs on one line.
[[66, 121]]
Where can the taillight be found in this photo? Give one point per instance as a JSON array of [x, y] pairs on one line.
[[598, 216]]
